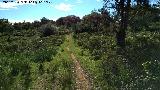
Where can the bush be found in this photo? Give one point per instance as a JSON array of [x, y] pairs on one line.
[[44, 55], [135, 67], [48, 29]]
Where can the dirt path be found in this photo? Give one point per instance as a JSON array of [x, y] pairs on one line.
[[82, 83]]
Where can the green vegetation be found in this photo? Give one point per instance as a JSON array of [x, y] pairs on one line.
[[116, 51], [135, 67], [61, 67], [23, 55], [57, 74]]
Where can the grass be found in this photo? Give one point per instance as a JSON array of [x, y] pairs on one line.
[[61, 69], [56, 74], [92, 68]]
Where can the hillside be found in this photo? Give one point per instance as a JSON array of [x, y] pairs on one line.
[[100, 51]]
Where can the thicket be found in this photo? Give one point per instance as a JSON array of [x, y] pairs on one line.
[[134, 67], [24, 52]]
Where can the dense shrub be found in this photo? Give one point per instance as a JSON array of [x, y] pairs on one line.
[[48, 29], [44, 54], [135, 67], [94, 22], [5, 26], [20, 54]]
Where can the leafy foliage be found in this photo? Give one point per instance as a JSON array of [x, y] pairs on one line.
[[68, 21], [19, 50], [94, 22], [135, 67], [34, 56], [48, 29]]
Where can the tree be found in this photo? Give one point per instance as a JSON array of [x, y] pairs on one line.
[[68, 21], [5, 26], [60, 21], [145, 18], [44, 20], [97, 21], [18, 26], [36, 24], [92, 21], [48, 29], [27, 25], [144, 3], [122, 7]]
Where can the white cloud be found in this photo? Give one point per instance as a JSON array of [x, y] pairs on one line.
[[79, 1], [64, 7], [3, 9], [6, 6], [98, 0], [12, 5], [14, 20]]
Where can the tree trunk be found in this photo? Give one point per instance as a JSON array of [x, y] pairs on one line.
[[121, 33], [124, 13], [121, 38]]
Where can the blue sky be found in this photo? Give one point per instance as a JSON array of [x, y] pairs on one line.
[[58, 8]]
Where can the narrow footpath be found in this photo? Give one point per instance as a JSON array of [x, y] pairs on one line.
[[82, 83]]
